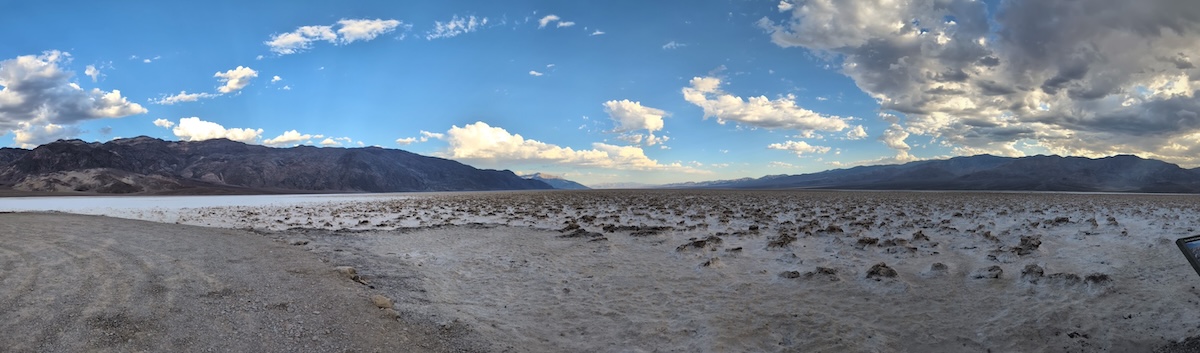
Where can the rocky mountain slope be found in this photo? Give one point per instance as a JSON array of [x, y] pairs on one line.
[[556, 181], [1122, 173], [145, 164]]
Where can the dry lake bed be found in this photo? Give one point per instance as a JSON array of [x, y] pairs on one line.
[[627, 271]]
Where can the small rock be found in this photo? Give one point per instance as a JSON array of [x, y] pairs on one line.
[[1097, 278], [351, 273], [1029, 244], [881, 271], [297, 241], [1033, 273], [790, 274], [381, 302], [992, 272], [1068, 279], [348, 271]]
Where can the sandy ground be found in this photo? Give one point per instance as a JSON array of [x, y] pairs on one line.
[[716, 271], [71, 283]]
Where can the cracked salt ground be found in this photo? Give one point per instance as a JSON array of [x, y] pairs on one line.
[[763, 271]]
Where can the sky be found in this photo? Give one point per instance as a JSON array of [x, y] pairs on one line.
[[607, 92]]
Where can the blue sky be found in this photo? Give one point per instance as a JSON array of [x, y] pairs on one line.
[[614, 91]]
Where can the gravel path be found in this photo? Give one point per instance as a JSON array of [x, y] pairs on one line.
[[72, 283]]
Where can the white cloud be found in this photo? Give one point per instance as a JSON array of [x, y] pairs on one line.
[[235, 79], [546, 20], [631, 116], [562, 24], [286, 88], [29, 135], [301, 39], [857, 133], [777, 164], [350, 31], [798, 147], [597, 32], [290, 137], [406, 141], [535, 73], [480, 142], [364, 30], [1040, 75], [673, 45], [781, 113], [276, 79], [337, 141], [183, 96], [163, 123], [426, 135], [194, 129], [259, 57], [92, 72], [37, 93], [456, 26], [785, 6]]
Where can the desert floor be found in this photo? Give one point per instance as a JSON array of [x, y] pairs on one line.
[[74, 283], [642, 270]]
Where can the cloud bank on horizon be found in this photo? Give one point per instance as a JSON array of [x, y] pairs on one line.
[[593, 94]]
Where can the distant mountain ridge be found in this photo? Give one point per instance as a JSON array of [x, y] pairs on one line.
[[1122, 173], [145, 164], [556, 181]]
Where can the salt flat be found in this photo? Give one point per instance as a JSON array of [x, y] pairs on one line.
[[755, 270]]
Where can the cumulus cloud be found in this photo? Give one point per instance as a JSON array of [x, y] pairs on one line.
[[406, 141], [330, 142], [348, 31], [535, 73], [780, 113], [290, 137], [163, 123], [632, 116], [39, 99], [798, 147], [785, 6], [546, 20], [857, 133], [183, 96], [236, 79], [92, 72], [596, 33], [1059, 75], [30, 135], [673, 45], [480, 142], [562, 24], [456, 26], [194, 129], [276, 79]]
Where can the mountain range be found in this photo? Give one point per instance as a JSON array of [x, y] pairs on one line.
[[556, 181], [150, 165], [1122, 173]]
